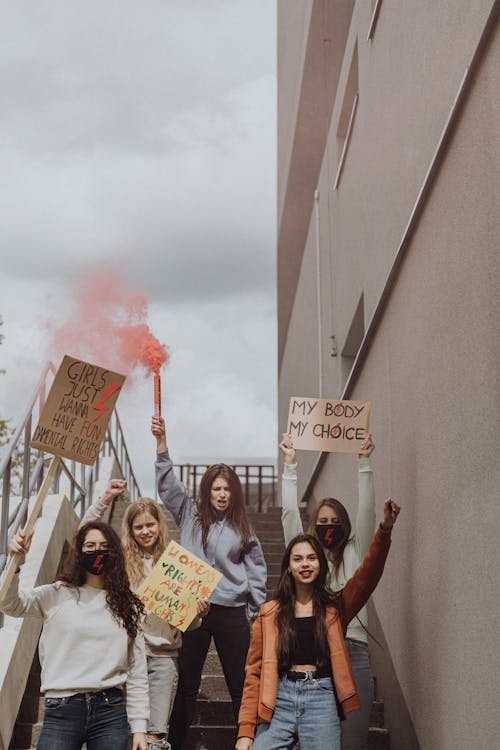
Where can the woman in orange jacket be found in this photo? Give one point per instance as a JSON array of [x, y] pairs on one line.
[[299, 681]]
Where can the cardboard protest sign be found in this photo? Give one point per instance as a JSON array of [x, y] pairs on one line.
[[175, 584], [77, 410], [322, 425]]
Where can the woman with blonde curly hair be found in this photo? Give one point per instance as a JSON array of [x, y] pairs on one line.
[[144, 539]]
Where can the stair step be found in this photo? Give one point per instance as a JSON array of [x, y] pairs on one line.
[[213, 687], [378, 739], [210, 712], [210, 738], [377, 713]]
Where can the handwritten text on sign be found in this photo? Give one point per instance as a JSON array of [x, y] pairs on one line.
[[76, 413], [175, 584], [322, 425]]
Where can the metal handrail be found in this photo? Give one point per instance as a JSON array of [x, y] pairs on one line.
[[264, 475], [34, 465]]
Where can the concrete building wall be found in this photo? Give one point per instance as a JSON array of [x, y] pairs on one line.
[[430, 359]]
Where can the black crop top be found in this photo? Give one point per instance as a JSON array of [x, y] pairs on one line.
[[305, 651]]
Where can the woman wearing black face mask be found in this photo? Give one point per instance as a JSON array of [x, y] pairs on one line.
[[331, 525], [91, 646]]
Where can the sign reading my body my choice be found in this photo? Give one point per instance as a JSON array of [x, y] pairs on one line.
[[77, 410], [323, 425]]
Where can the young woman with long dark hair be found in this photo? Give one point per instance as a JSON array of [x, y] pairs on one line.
[[216, 528], [91, 646], [299, 681], [145, 536], [344, 548]]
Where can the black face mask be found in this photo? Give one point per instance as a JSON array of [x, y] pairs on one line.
[[329, 534], [95, 562]]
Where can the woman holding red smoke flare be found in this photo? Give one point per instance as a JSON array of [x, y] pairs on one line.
[[91, 646], [299, 680], [215, 527]]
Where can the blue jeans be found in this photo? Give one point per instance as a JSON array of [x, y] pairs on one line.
[[306, 711], [99, 719], [356, 725]]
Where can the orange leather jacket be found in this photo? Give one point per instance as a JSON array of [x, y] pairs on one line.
[[261, 671]]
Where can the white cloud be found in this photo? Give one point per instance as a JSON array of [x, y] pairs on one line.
[[144, 134]]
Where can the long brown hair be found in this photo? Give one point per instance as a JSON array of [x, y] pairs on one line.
[[236, 513], [285, 595], [134, 560], [336, 553], [123, 604]]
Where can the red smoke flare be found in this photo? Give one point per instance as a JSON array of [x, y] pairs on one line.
[[108, 326]]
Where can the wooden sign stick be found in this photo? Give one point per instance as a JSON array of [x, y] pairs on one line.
[[14, 560]]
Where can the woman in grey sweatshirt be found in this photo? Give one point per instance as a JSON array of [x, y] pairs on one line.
[[216, 529]]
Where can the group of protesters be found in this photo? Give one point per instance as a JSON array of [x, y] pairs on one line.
[[296, 667]]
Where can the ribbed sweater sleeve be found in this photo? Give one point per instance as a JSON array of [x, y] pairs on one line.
[[290, 514], [365, 519], [171, 490], [137, 686]]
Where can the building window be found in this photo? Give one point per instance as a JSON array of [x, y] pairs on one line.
[[353, 340], [373, 20], [347, 115]]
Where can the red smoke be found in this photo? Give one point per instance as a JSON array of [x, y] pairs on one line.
[[108, 326]]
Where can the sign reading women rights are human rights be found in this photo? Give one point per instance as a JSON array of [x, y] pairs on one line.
[[178, 580], [322, 425]]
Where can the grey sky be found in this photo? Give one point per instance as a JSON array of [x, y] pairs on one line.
[[143, 134]]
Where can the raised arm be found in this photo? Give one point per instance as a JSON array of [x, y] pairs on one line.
[[365, 520], [18, 603], [290, 514], [171, 490], [361, 585], [96, 511]]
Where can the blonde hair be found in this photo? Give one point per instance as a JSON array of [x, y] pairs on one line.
[[134, 559]]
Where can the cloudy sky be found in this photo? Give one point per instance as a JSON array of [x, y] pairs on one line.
[[137, 140]]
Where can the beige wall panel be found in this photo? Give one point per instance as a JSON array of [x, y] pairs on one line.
[[407, 87], [432, 374], [300, 373], [293, 29], [432, 370]]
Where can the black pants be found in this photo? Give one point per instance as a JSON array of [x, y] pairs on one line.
[[231, 633]]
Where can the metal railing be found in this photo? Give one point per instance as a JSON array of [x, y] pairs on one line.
[[258, 481], [23, 468]]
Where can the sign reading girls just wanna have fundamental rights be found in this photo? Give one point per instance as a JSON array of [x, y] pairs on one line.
[[178, 580], [323, 425], [77, 410]]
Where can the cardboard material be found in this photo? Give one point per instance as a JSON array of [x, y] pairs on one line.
[[178, 580], [74, 419], [325, 425]]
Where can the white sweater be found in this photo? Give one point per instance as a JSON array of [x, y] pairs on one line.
[[358, 544], [82, 647]]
